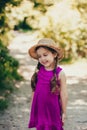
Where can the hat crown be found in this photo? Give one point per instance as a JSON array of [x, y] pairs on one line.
[[46, 41]]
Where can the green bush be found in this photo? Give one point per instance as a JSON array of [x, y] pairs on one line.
[[3, 104], [8, 75]]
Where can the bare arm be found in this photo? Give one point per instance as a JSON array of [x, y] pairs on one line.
[[63, 94], [32, 95]]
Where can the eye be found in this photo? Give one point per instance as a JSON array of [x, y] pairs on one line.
[[45, 54]]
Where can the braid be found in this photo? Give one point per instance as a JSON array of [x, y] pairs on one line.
[[54, 78], [34, 77]]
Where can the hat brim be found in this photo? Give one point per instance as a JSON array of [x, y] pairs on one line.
[[32, 51]]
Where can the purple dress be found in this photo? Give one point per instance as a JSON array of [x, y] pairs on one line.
[[46, 109]]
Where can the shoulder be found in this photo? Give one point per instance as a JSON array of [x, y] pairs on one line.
[[62, 75], [60, 72], [58, 69]]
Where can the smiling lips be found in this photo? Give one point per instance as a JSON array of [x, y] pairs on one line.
[[44, 62]]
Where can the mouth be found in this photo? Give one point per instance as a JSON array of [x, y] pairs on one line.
[[45, 62]]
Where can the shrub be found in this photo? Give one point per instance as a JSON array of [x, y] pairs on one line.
[[8, 75]]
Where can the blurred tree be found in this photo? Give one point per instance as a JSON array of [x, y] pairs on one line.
[[68, 28], [81, 6], [4, 23], [68, 19], [8, 65], [8, 75]]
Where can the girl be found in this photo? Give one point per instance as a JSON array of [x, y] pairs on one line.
[[48, 83]]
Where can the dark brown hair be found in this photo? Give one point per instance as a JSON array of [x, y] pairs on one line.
[[34, 78]]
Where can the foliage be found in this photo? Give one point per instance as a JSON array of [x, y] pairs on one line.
[[23, 25], [5, 28], [41, 5], [3, 104], [8, 65], [8, 74], [69, 32]]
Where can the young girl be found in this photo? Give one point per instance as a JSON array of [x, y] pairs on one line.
[[48, 110]]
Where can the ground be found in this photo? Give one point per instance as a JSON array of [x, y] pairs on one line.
[[17, 115]]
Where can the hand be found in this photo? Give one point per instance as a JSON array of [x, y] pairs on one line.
[[63, 118]]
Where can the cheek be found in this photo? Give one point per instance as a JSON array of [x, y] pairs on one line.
[[52, 59]]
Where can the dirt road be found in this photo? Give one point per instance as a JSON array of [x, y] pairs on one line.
[[17, 115]]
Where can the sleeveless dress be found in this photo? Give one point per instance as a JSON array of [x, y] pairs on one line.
[[46, 108]]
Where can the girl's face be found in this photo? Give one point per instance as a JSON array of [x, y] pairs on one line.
[[46, 57]]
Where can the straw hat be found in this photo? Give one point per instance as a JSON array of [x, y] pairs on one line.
[[48, 43]]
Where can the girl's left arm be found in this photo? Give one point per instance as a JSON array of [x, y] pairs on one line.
[[63, 94]]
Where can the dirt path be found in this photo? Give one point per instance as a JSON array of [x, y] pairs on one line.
[[17, 115]]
